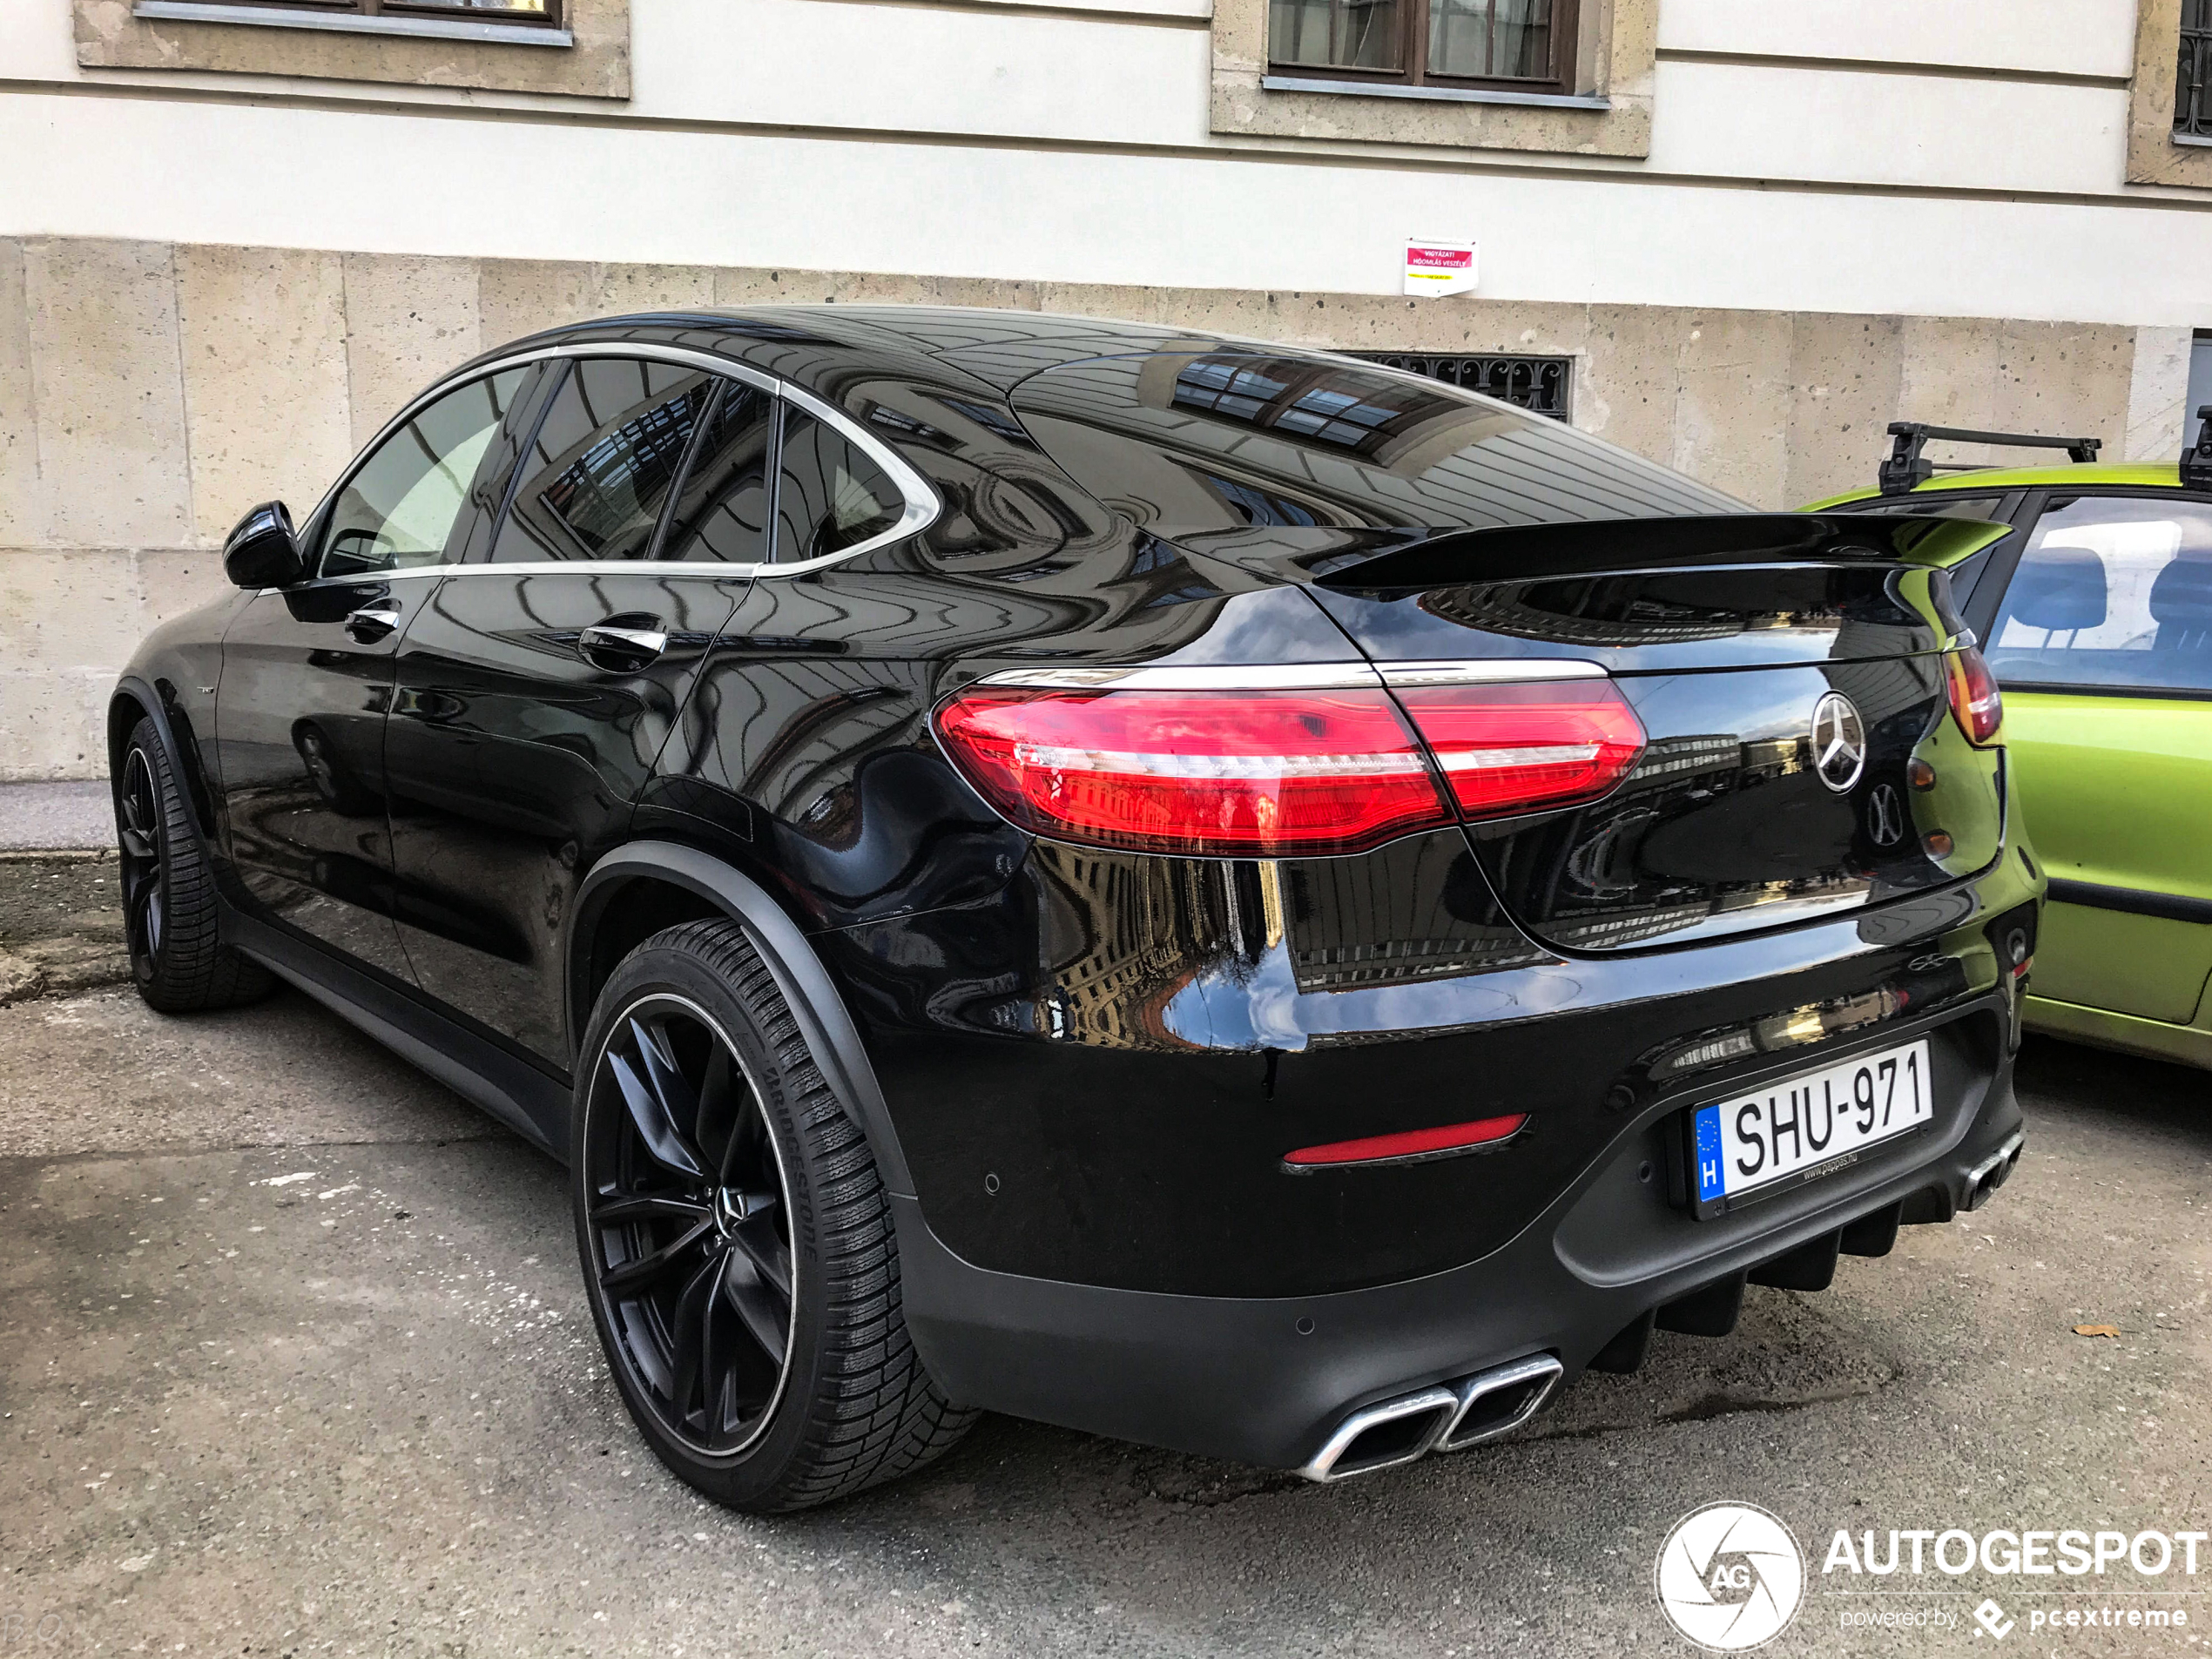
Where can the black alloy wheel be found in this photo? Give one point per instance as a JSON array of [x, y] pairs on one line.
[[141, 830], [172, 920], [736, 1238], [689, 1223]]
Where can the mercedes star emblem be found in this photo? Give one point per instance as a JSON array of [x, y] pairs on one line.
[[1838, 742]]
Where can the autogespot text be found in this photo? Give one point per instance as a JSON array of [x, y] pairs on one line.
[[2029, 1553]]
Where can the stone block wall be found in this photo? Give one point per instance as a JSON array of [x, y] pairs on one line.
[[150, 393]]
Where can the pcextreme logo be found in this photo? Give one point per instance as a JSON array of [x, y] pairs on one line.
[[1730, 1576]]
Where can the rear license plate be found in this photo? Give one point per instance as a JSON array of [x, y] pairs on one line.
[[1802, 1128]]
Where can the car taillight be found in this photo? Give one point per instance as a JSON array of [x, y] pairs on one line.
[[1249, 774], [1975, 701], [1522, 748]]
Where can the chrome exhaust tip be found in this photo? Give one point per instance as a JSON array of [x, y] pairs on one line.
[[1500, 1400], [1384, 1436], [1993, 1172], [1446, 1419]]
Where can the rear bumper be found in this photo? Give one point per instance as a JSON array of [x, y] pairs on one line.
[[1266, 1381]]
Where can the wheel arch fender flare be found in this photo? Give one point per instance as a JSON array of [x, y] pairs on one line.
[[825, 1024], [153, 703]]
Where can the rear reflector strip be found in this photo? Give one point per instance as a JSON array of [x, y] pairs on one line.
[[1408, 1147]]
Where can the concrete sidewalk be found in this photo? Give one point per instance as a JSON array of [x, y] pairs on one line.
[[56, 816]]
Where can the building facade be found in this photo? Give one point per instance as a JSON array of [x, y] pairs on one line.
[[1736, 236]]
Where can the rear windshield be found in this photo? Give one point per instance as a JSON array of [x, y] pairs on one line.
[[1186, 444]]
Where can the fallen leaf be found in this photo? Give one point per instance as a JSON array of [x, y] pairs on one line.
[[2096, 1330]]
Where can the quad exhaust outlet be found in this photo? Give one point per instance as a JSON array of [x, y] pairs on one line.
[[1447, 1418]]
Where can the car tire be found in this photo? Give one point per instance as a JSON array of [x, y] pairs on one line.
[[178, 957], [726, 1197]]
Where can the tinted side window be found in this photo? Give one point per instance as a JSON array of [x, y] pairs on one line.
[[400, 508], [2113, 593], [831, 496], [722, 511], [605, 457]]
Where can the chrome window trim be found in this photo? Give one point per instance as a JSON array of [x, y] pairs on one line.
[[923, 505], [1298, 677], [1492, 670]]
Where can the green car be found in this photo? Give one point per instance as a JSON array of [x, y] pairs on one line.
[[2095, 612]]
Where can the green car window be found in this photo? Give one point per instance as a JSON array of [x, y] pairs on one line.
[[2113, 594]]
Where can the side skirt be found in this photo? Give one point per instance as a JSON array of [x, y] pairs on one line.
[[2189, 1044], [528, 1100]]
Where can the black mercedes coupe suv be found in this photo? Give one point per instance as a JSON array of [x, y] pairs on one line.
[[1195, 890]]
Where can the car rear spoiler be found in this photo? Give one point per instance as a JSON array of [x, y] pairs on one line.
[[1902, 468], [1537, 552]]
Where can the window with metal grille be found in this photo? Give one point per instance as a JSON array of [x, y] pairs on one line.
[[1537, 384], [1526, 45], [544, 12], [2193, 85]]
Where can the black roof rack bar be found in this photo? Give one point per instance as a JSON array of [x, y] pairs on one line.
[[1902, 468], [2196, 461]]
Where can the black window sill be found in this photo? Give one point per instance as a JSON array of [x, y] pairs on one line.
[[498, 34]]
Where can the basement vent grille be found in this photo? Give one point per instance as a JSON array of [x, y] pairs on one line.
[[1537, 384]]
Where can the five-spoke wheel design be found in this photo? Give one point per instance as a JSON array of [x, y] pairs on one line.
[[687, 1224], [144, 858]]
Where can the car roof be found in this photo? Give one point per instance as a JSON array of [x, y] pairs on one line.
[[1982, 480], [803, 342]]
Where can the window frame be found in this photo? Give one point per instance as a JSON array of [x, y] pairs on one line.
[[786, 412], [585, 53], [551, 17], [771, 462], [1413, 52], [2161, 149], [1989, 598], [923, 504], [557, 382], [2193, 73], [314, 536]]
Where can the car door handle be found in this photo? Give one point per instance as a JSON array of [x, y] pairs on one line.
[[613, 646], [371, 624]]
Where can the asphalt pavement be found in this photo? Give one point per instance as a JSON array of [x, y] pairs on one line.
[[293, 1360]]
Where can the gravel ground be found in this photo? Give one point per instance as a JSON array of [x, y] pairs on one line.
[[293, 1360], [61, 924]]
